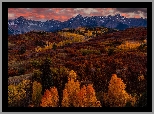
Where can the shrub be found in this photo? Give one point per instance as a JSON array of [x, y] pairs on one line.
[[35, 63], [141, 78], [128, 104], [129, 45], [142, 102], [21, 71], [16, 94], [87, 52], [12, 72], [40, 43], [111, 51], [25, 84], [116, 43], [36, 75], [22, 50], [54, 46], [143, 47]]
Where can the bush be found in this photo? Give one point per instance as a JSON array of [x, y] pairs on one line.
[[142, 102], [128, 104], [112, 44], [129, 45], [17, 94], [87, 52], [21, 71], [40, 43], [25, 84], [116, 43], [143, 47], [36, 75], [22, 50], [54, 46], [12, 72], [111, 51], [35, 63]]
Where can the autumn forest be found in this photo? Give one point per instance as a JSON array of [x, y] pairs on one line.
[[82, 67]]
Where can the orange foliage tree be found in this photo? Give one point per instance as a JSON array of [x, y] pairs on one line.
[[73, 96], [70, 91], [87, 98], [50, 98]]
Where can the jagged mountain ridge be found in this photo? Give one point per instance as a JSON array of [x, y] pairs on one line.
[[21, 25]]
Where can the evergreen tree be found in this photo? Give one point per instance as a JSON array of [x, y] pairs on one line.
[[46, 77], [54, 46], [22, 50], [142, 102]]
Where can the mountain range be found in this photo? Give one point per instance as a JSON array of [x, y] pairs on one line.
[[22, 25]]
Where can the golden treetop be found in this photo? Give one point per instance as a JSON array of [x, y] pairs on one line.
[[50, 98]]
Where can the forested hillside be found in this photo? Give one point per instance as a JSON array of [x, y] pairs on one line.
[[83, 67]]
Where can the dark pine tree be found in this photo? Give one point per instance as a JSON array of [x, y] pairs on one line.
[[54, 46], [46, 77]]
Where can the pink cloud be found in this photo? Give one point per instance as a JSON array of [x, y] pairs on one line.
[[62, 14]]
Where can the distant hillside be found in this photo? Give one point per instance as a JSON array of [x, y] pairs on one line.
[[94, 59]]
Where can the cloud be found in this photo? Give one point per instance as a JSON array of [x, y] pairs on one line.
[[89, 10], [133, 12], [10, 15], [63, 14], [78, 9], [128, 10]]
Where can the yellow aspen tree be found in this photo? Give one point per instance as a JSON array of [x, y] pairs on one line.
[[71, 88], [55, 97], [87, 98], [117, 96], [141, 78], [72, 75], [81, 97], [91, 96], [65, 101], [76, 97], [36, 95]]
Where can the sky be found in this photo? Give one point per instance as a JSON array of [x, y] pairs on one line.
[[63, 14]]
